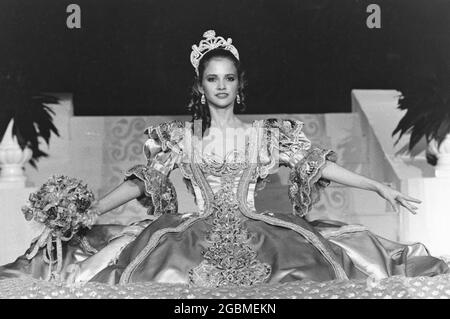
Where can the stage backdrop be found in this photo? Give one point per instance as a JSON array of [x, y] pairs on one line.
[[132, 57]]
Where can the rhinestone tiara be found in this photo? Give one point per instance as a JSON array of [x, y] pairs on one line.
[[210, 42]]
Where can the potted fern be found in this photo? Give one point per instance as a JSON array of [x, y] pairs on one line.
[[24, 119], [427, 118]]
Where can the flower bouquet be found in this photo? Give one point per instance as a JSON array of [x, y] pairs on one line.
[[62, 204]]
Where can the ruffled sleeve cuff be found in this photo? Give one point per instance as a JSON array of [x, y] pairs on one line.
[[163, 148], [162, 151], [159, 195], [306, 181]]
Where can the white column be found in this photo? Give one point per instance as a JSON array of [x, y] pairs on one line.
[[16, 232], [431, 226], [12, 160]]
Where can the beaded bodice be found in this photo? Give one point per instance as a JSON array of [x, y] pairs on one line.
[[230, 257], [223, 175]]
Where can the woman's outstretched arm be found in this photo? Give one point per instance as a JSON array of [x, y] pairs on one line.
[[128, 190], [338, 174]]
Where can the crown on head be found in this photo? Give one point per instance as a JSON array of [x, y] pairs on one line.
[[210, 42]]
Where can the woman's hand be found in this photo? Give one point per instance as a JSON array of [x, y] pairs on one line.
[[396, 198]]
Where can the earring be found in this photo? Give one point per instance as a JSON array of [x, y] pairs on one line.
[[203, 99], [238, 99]]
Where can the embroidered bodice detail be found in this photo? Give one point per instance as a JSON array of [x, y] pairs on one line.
[[230, 259], [234, 163]]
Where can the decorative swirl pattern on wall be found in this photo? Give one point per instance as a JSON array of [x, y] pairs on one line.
[[131, 151], [337, 198], [334, 203], [126, 127], [122, 149], [127, 138], [314, 126]]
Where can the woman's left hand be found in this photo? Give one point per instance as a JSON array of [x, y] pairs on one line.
[[396, 198]]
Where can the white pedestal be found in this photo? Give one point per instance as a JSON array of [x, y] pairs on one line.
[[16, 232], [431, 226]]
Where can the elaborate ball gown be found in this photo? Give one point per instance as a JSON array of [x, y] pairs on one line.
[[226, 241]]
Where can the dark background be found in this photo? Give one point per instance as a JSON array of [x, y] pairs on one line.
[[131, 57]]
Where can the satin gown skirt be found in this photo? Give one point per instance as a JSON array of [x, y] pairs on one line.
[[290, 256], [73, 252]]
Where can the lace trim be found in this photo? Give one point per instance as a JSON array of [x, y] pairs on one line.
[[223, 169], [290, 136], [342, 231], [230, 259], [160, 193], [233, 164], [116, 257], [132, 230], [185, 170], [306, 182], [169, 134], [85, 245], [153, 241]]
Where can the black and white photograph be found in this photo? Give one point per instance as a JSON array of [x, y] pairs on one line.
[[240, 152]]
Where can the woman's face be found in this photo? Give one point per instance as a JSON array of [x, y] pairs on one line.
[[220, 83]]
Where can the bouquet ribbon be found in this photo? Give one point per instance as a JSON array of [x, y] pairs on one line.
[[46, 239]]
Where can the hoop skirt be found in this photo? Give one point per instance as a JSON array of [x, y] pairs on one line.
[[226, 241]]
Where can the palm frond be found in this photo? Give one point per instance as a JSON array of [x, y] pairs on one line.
[[427, 103], [33, 117]]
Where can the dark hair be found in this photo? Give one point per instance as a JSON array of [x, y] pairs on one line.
[[201, 111]]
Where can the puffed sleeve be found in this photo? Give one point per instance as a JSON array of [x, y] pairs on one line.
[[162, 151], [305, 160]]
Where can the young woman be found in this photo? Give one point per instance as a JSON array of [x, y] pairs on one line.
[[227, 241]]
